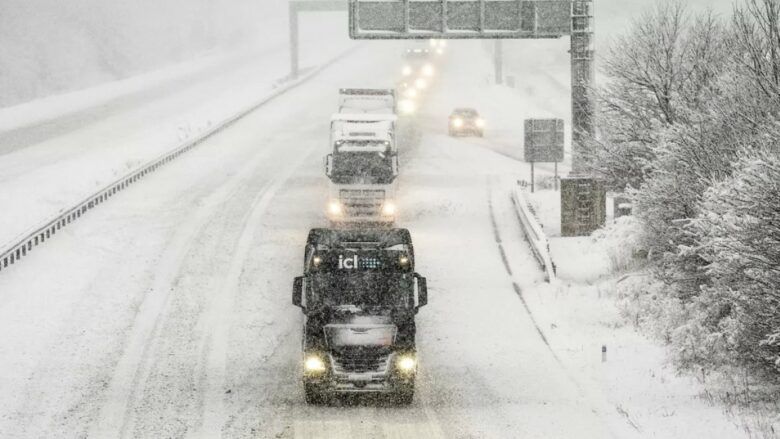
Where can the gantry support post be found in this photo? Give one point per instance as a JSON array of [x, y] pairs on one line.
[[582, 77]]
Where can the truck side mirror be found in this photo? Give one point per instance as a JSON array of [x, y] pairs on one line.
[[297, 293], [395, 165], [329, 165], [422, 291]]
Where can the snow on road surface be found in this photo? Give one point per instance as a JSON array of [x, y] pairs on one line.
[[42, 166], [166, 312]]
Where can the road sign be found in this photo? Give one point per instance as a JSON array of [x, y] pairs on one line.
[[411, 19], [543, 140], [583, 206]]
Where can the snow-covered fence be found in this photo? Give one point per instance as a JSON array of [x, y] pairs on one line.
[[533, 231], [20, 247]]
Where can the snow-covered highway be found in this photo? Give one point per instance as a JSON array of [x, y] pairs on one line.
[[166, 312]]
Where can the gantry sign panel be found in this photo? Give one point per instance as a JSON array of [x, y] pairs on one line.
[[448, 19]]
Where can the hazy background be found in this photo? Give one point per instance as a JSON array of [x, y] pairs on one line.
[[54, 46]]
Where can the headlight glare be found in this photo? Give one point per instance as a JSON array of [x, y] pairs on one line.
[[314, 363], [457, 122], [334, 207], [407, 363], [407, 106], [388, 209]]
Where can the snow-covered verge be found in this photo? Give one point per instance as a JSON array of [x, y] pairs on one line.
[[605, 299], [48, 176], [50, 47]]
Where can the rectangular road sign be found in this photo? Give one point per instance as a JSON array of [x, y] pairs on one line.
[[448, 19], [543, 140]]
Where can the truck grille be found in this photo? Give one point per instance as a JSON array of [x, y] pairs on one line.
[[362, 202], [360, 362]]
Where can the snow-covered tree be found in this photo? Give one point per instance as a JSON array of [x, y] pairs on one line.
[[739, 229]]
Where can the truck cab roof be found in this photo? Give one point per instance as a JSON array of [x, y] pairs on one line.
[[391, 249]]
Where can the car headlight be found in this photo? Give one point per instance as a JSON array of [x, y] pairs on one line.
[[407, 363], [388, 209], [457, 122], [334, 207], [421, 83], [428, 70], [407, 106], [406, 71], [480, 123], [314, 363]]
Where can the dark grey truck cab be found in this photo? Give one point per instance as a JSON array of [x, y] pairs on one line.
[[359, 295]]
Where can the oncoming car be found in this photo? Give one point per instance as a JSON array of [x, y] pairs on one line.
[[466, 121]]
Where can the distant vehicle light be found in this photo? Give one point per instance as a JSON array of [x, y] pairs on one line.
[[440, 51], [407, 107], [407, 71], [334, 208], [480, 123], [428, 70], [388, 209], [403, 260], [314, 363], [421, 83], [407, 363], [434, 43], [317, 261], [410, 93], [457, 122]]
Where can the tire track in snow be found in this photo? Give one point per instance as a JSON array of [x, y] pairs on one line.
[[215, 346], [132, 371]]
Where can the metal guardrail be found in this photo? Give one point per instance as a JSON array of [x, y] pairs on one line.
[[42, 233], [534, 233]]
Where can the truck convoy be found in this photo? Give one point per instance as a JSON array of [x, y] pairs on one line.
[[359, 295], [363, 164]]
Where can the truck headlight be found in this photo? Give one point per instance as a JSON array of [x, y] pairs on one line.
[[480, 123], [407, 363], [407, 106], [334, 207], [388, 209], [457, 122], [314, 363]]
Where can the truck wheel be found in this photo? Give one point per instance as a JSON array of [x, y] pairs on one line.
[[313, 394]]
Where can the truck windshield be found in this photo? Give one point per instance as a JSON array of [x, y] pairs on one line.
[[363, 290], [362, 168]]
